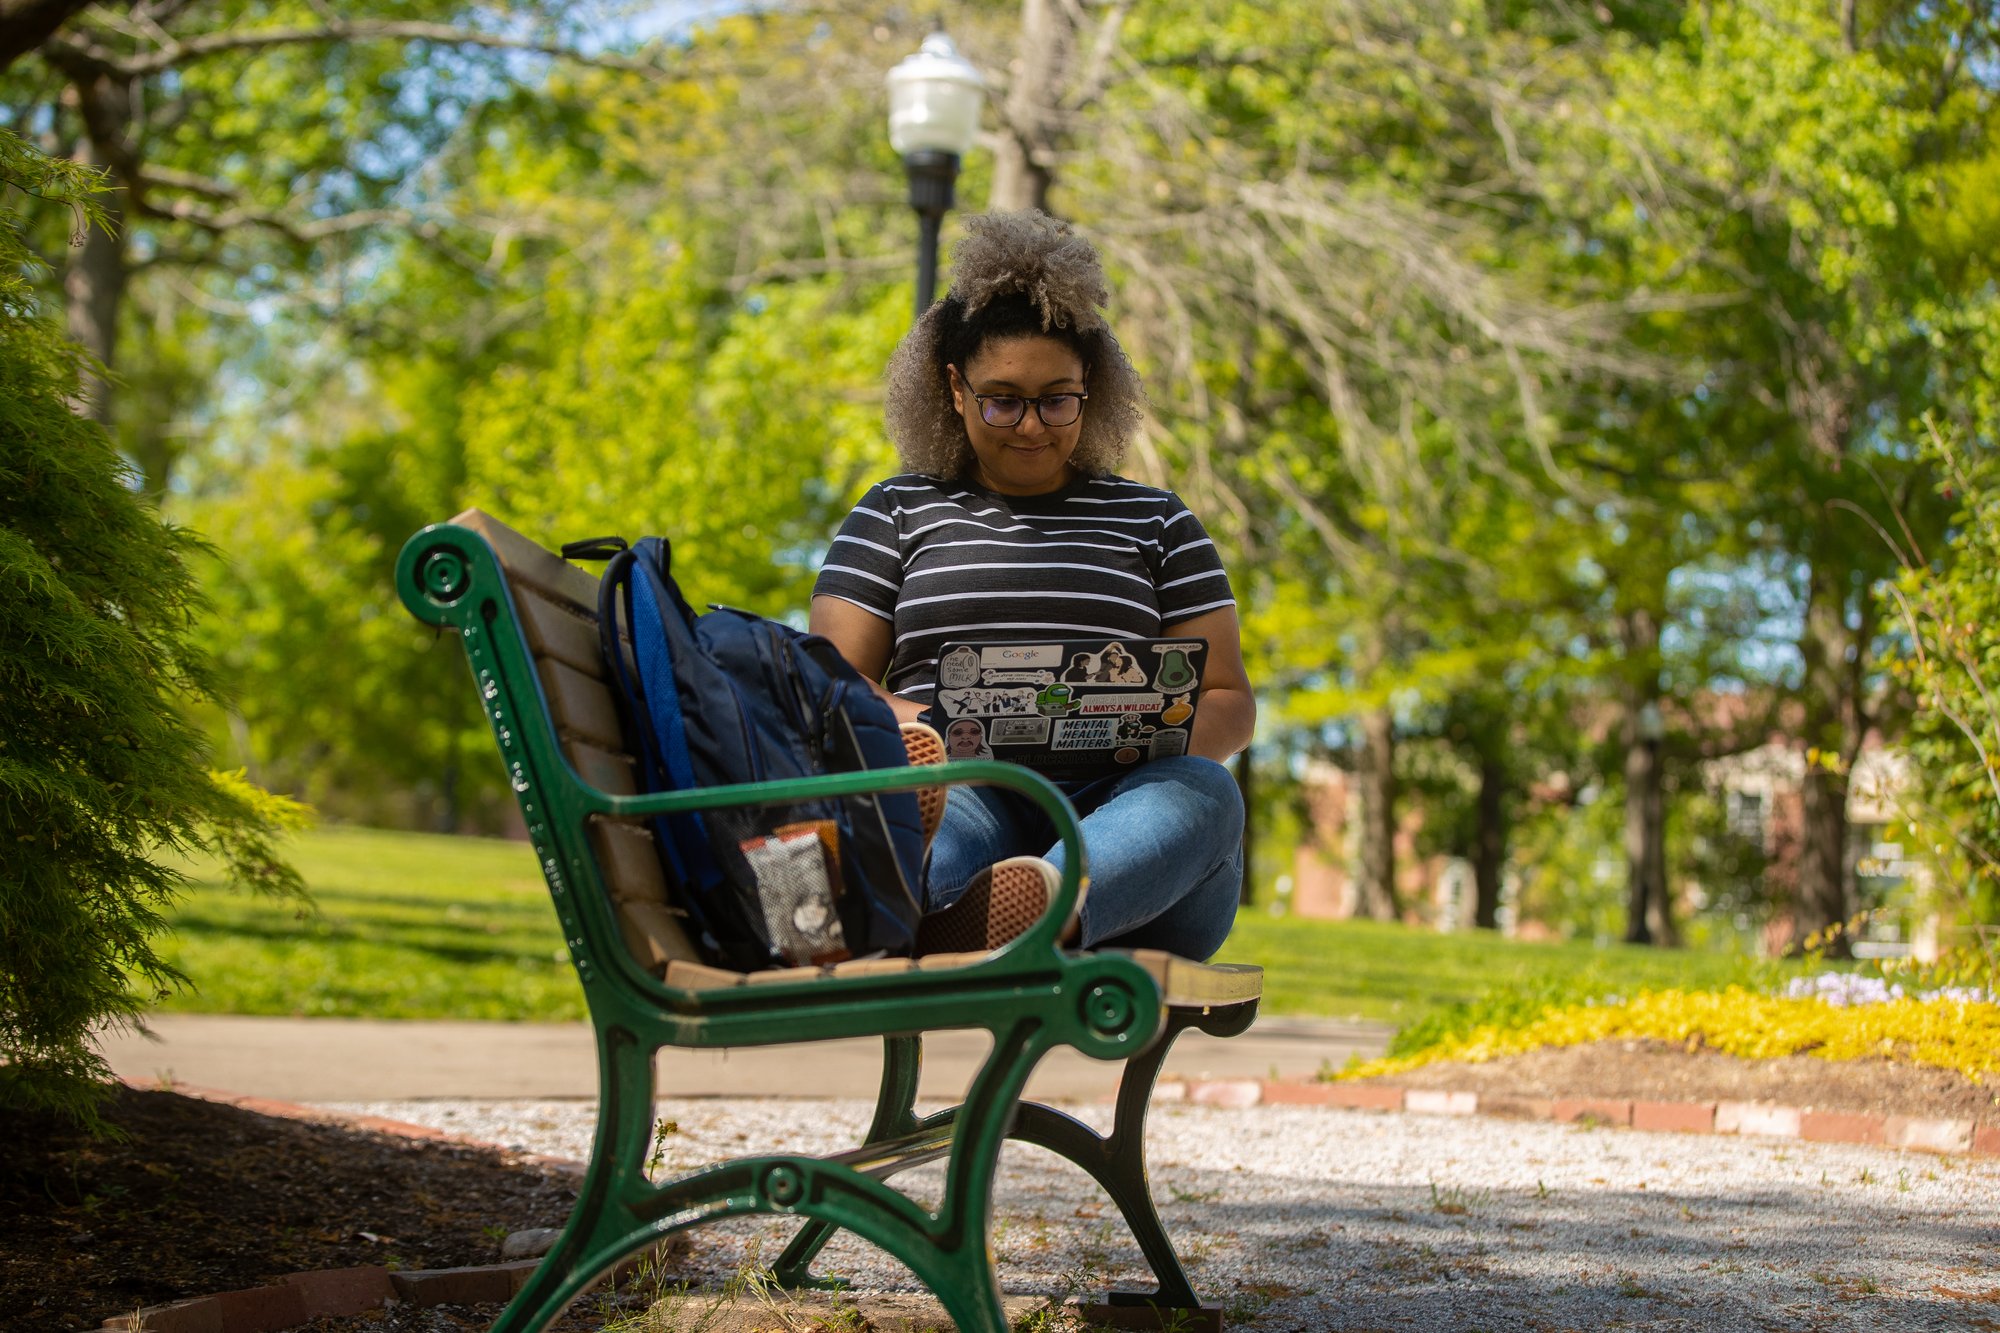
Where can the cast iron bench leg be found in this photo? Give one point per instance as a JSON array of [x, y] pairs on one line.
[[979, 1130], [618, 1212], [598, 1232], [1117, 1161], [958, 1265], [895, 1117]]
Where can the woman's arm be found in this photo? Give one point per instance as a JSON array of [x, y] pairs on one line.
[[1226, 711], [866, 641]]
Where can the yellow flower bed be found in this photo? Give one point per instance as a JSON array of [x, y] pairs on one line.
[[1951, 1034]]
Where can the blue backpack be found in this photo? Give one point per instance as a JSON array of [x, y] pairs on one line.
[[729, 697]]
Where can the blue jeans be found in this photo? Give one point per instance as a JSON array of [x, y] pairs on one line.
[[1165, 844]]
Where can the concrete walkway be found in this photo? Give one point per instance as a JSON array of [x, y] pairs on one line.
[[345, 1059]]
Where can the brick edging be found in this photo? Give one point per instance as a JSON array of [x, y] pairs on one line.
[[298, 1297], [1759, 1119]]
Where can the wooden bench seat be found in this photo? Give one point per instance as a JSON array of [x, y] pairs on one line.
[[1182, 983], [528, 621]]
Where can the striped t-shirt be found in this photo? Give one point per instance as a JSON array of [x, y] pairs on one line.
[[947, 560]]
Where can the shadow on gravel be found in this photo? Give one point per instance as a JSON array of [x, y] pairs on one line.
[[1520, 1227], [1460, 1258]]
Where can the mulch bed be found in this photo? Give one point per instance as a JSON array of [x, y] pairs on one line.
[[199, 1197], [1657, 1071]]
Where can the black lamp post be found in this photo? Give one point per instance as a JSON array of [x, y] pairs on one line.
[[934, 101]]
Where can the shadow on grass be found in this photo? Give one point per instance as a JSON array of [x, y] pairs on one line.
[[427, 939]]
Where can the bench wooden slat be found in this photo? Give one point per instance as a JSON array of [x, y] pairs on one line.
[[638, 887], [629, 861], [1183, 982], [583, 707], [527, 563], [557, 630], [877, 967], [654, 934], [1186, 982], [700, 976], [607, 770]]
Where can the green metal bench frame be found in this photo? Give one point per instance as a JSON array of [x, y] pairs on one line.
[[1031, 996]]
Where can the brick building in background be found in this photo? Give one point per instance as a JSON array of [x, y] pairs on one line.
[[1760, 793]]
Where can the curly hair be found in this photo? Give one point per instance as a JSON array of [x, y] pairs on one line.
[[1013, 275]]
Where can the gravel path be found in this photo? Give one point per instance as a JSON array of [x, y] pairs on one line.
[[1316, 1219]]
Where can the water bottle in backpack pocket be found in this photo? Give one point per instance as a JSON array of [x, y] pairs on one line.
[[730, 697]]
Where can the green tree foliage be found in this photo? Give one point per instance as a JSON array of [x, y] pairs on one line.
[[659, 353], [260, 151], [337, 697], [1795, 155], [102, 779], [1943, 614], [1373, 326], [1529, 363], [649, 400]]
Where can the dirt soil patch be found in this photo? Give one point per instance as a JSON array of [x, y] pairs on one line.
[[201, 1197], [1657, 1071]]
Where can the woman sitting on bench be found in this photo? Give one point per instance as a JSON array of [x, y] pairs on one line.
[[1012, 404]]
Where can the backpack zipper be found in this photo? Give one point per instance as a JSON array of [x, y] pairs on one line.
[[810, 721], [750, 746]]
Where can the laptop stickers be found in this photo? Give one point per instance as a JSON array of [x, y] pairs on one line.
[[1073, 709]]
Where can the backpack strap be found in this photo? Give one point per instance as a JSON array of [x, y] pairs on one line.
[[593, 548], [887, 827], [656, 672], [661, 754]]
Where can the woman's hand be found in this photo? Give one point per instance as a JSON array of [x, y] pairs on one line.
[[1225, 710]]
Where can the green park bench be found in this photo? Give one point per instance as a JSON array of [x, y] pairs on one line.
[[528, 623]]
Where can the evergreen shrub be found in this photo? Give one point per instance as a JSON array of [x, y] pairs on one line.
[[104, 783]]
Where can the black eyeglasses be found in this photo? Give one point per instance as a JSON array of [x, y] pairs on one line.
[[1007, 409]]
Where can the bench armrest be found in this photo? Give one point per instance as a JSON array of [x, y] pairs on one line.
[[982, 772]]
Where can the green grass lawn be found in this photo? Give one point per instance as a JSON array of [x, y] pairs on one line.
[[408, 925], [1398, 974], [419, 926]]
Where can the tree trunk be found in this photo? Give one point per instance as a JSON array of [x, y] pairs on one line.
[[1375, 878], [1660, 920], [94, 282], [1645, 850], [1489, 842], [1831, 650], [1648, 918], [1023, 171], [450, 814]]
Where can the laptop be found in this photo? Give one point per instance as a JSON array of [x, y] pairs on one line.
[[1073, 709]]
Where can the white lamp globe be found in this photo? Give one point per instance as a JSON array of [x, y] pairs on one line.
[[934, 100]]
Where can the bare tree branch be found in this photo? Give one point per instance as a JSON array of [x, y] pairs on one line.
[[177, 51], [171, 179], [429, 230]]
